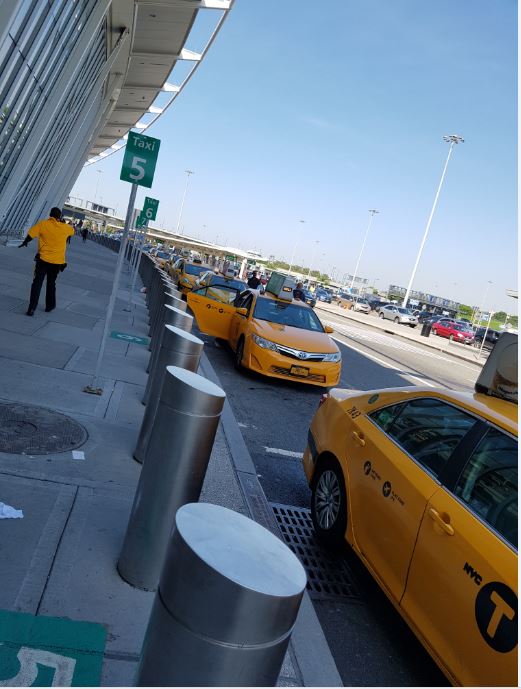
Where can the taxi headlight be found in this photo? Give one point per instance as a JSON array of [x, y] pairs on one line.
[[335, 356], [265, 344]]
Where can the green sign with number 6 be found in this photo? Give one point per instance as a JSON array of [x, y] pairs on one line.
[[150, 207], [140, 159]]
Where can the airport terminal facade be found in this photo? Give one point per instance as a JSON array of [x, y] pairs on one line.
[[75, 77]]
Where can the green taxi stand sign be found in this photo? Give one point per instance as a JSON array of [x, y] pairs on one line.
[[40, 651], [141, 221], [150, 207], [140, 159]]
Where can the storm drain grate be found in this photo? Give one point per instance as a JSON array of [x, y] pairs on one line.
[[328, 576], [28, 430]]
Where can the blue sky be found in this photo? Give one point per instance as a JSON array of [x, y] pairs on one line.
[[321, 111]]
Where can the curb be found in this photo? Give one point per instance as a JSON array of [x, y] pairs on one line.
[[308, 642], [403, 336]]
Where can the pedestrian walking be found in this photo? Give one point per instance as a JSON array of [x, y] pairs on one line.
[[254, 282], [84, 233], [298, 292], [52, 237]]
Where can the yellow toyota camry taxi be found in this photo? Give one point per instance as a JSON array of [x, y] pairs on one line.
[[422, 483], [185, 273], [272, 333]]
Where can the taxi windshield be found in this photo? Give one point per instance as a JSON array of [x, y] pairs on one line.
[[287, 314], [194, 270]]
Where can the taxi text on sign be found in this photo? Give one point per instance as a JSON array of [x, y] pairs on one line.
[[140, 159], [150, 208]]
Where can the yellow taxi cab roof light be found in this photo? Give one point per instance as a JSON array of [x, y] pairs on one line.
[[281, 286]]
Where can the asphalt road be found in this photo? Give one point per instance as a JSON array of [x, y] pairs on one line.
[[371, 644]]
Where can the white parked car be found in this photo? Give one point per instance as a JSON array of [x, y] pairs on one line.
[[399, 314], [362, 305]]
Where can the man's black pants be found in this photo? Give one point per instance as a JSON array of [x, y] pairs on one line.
[[43, 269]]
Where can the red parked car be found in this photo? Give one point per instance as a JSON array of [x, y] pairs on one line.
[[454, 331]]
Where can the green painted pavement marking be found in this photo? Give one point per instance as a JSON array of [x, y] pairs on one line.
[[49, 651], [130, 338]]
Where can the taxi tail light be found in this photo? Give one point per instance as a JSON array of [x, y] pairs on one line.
[[323, 398]]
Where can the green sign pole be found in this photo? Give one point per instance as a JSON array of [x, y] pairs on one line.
[[138, 167]]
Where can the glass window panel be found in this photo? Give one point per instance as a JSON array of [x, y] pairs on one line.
[[430, 430], [384, 417], [488, 484]]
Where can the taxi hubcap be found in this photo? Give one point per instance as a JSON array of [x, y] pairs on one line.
[[327, 500]]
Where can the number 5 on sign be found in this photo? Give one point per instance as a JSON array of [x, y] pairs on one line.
[[140, 159]]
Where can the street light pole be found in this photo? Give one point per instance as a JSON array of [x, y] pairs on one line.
[[188, 173], [453, 139], [372, 213], [489, 282]]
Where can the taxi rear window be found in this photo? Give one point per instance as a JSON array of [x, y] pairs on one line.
[[488, 484], [428, 429]]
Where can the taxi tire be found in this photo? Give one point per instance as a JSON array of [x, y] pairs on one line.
[[239, 353], [333, 537]]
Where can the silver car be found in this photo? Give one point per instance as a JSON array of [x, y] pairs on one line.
[[399, 314], [362, 305]]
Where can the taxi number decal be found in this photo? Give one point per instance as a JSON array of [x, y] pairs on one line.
[[353, 412]]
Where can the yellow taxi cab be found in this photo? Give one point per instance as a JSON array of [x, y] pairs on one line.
[[272, 334], [162, 258], [185, 273], [214, 283], [422, 484]]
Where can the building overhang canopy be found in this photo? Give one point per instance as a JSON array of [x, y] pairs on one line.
[[140, 84]]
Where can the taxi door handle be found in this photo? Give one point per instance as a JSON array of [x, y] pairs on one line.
[[436, 517], [358, 438]]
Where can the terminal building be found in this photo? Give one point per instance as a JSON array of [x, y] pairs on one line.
[[75, 77]]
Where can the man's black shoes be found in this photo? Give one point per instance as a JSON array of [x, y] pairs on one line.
[[48, 310], [30, 312]]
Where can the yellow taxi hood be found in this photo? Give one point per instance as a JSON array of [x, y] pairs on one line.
[[306, 340]]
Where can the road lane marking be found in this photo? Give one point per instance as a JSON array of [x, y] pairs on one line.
[[283, 453], [384, 363], [386, 341]]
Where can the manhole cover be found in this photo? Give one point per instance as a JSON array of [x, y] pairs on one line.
[[328, 577], [26, 430]]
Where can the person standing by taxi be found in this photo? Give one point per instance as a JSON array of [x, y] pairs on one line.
[[50, 260]]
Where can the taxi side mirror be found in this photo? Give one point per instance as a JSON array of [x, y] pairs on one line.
[[328, 329], [242, 312]]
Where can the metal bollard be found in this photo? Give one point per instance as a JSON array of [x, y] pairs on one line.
[[170, 316], [228, 599], [170, 298], [173, 472], [178, 348]]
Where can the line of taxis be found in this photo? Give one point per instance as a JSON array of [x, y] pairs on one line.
[[420, 482]]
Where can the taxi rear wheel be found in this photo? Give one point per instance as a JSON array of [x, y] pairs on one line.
[[239, 353], [329, 503]]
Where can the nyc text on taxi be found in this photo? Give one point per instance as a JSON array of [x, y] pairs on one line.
[[271, 334], [422, 483]]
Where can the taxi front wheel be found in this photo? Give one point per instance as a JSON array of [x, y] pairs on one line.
[[329, 503]]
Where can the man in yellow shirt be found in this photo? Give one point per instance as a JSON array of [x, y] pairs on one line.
[[52, 240]]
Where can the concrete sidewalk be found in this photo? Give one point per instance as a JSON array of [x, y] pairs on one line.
[[456, 349], [74, 480]]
